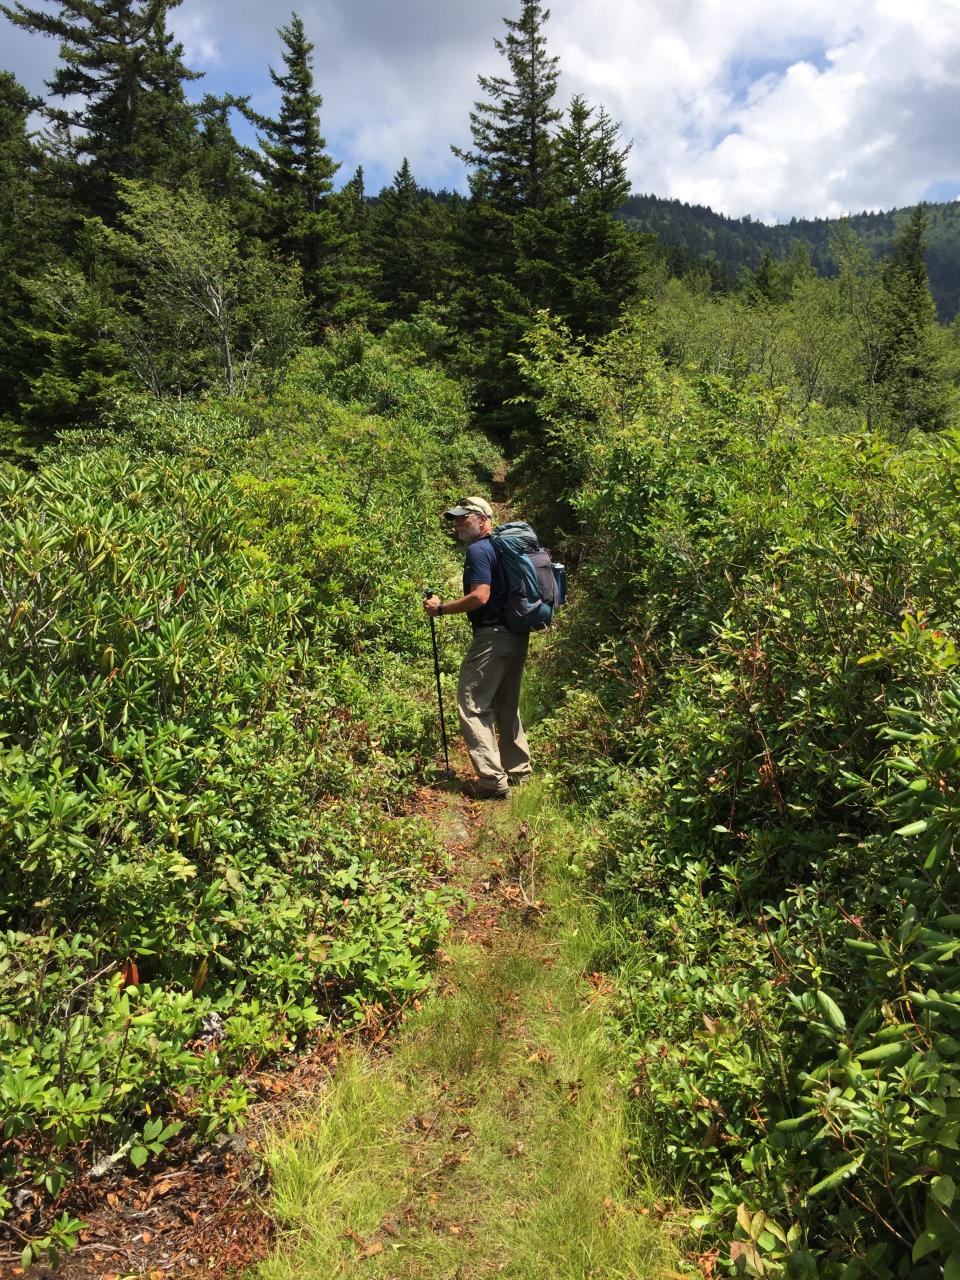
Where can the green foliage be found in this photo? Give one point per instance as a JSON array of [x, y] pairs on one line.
[[513, 149], [762, 708], [914, 383], [214, 692], [863, 345], [74, 325], [204, 313], [695, 237], [573, 258], [28, 229], [166, 301], [409, 241], [304, 220], [121, 77]]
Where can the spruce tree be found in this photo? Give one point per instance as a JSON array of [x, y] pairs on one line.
[[574, 258], [408, 245], [911, 368], [121, 76], [38, 228], [295, 164], [512, 163], [591, 163], [512, 154], [358, 184], [223, 167], [28, 235], [304, 219]]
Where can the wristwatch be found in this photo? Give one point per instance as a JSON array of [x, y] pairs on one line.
[[439, 608]]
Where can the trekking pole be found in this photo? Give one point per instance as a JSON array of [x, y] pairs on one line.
[[436, 672]]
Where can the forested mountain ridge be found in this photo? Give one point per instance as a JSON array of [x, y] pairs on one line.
[[693, 231]]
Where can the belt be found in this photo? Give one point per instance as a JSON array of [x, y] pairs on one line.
[[498, 626]]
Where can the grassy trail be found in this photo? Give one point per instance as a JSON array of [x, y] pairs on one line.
[[489, 1140]]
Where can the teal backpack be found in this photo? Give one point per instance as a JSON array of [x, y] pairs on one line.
[[536, 587]]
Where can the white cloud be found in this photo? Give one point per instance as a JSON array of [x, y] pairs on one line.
[[202, 47], [847, 107], [752, 106]]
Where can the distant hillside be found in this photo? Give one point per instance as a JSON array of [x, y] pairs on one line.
[[740, 242]]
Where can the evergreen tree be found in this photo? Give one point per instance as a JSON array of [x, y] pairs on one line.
[[121, 75], [512, 154], [357, 184], [591, 165], [574, 258], [355, 207], [296, 165], [489, 312], [223, 167], [512, 160], [304, 219], [769, 283], [27, 233], [407, 243], [73, 325], [864, 305], [911, 369]]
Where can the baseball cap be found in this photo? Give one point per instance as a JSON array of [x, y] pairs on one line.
[[470, 506]]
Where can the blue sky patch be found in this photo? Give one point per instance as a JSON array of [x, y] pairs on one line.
[[945, 189], [742, 73]]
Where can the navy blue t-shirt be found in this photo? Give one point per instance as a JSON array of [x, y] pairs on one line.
[[481, 565]]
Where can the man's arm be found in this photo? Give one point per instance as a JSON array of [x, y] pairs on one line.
[[477, 596]]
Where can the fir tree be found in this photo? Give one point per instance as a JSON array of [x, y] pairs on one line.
[[121, 76], [911, 368], [224, 167], [512, 159], [574, 258], [591, 163], [25, 232], [768, 283], [357, 184], [512, 154], [295, 163], [407, 243], [304, 219]]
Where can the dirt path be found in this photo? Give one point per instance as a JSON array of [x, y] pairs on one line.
[[489, 1141]]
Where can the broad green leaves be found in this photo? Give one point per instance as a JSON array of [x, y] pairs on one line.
[[214, 688], [764, 717]]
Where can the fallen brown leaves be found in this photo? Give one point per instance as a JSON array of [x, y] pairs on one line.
[[365, 1248], [205, 1216]]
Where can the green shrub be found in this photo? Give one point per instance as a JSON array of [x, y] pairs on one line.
[[215, 691], [763, 707]]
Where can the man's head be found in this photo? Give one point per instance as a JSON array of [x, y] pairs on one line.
[[472, 518]]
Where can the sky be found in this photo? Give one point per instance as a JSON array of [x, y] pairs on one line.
[[761, 107]]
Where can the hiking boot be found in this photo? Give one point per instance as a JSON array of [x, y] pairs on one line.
[[518, 779], [477, 791]]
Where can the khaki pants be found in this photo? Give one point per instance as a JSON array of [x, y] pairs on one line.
[[488, 697]]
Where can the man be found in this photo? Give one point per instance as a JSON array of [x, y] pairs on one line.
[[488, 693]]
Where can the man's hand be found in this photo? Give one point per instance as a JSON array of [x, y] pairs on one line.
[[476, 597]]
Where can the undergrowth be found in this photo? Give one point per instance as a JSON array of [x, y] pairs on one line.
[[756, 698], [214, 695]]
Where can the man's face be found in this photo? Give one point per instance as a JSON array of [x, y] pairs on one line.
[[469, 527]]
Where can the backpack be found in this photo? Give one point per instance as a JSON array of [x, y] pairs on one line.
[[536, 587]]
